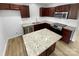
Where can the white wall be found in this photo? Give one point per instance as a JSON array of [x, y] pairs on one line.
[[34, 10], [12, 23], [2, 39], [10, 26]]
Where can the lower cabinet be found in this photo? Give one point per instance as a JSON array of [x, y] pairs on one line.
[[39, 26], [66, 35], [48, 51], [48, 26], [73, 11], [28, 29]]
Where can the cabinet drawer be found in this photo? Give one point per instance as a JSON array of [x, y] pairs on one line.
[[48, 51]]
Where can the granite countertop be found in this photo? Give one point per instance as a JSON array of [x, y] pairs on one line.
[[24, 23], [69, 28], [30, 24], [38, 41]]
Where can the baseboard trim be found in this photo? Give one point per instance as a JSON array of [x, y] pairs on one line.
[[5, 47]]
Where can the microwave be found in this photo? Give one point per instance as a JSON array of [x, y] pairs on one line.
[[61, 14]]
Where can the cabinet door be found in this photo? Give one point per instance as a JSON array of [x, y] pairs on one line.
[[14, 7], [58, 9], [50, 49], [25, 30], [24, 11], [36, 27], [39, 26], [41, 11], [63, 8], [47, 11], [28, 29], [47, 26], [66, 34], [44, 12], [4, 6], [31, 29], [73, 11]]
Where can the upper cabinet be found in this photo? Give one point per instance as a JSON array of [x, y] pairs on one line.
[[4, 6], [14, 7], [63, 8], [47, 11], [24, 11], [73, 11], [22, 8]]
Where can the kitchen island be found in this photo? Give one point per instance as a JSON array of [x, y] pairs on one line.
[[40, 42]]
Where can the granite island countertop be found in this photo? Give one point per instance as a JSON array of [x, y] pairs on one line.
[[38, 41]]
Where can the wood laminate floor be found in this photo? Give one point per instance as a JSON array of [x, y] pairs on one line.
[[15, 47]]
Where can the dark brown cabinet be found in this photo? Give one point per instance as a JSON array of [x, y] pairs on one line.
[[4, 6], [14, 7], [48, 26], [63, 8], [24, 11], [39, 26], [47, 11], [48, 51], [36, 27], [66, 34], [73, 11]]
